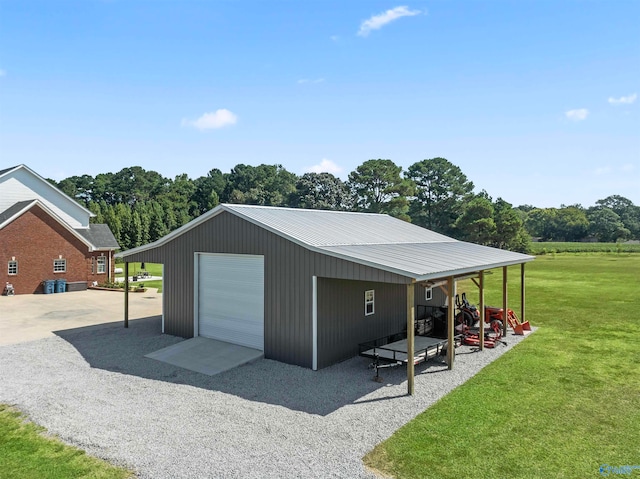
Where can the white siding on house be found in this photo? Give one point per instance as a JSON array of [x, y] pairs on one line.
[[21, 185]]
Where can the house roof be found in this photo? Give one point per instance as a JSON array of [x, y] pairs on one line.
[[97, 237], [6, 170], [13, 211], [100, 236], [375, 240]]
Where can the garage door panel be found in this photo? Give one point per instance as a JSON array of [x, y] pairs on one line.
[[231, 298]]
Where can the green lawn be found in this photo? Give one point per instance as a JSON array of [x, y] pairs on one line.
[[551, 247], [154, 269], [560, 404], [25, 453]]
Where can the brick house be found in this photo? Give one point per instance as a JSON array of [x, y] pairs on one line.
[[46, 235]]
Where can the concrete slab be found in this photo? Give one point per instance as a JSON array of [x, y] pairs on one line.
[[206, 356], [28, 317]]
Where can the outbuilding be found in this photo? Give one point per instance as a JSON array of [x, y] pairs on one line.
[[307, 286]]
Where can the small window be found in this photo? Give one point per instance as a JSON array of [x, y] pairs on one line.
[[428, 294], [59, 265], [102, 264], [369, 302], [13, 267]]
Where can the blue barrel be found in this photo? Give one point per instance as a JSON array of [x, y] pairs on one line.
[[61, 285], [48, 286]]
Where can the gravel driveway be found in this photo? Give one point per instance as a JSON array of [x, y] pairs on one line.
[[94, 388]]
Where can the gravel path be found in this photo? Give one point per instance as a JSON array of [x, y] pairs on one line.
[[94, 389]]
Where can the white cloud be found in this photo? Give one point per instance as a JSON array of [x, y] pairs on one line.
[[378, 21], [307, 80], [577, 115], [335, 38], [605, 170], [624, 100], [325, 166], [627, 167], [210, 121], [2, 73]]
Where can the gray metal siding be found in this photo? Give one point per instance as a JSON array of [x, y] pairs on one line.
[[438, 297], [342, 323], [289, 269]]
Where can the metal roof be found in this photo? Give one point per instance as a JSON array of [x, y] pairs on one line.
[[375, 240], [423, 261], [332, 228]]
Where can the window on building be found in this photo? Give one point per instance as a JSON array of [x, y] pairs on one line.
[[369, 302], [59, 265], [13, 267], [102, 264], [428, 294]]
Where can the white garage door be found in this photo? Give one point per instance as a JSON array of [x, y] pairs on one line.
[[231, 298]]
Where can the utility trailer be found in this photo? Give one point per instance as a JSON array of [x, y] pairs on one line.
[[392, 350]]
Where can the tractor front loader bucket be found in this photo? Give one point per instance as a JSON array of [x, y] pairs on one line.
[[518, 327]]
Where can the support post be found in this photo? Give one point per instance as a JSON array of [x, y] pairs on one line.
[[126, 294], [522, 295], [451, 349], [410, 338], [505, 313], [481, 305]]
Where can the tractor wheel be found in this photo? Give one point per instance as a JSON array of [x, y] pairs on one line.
[[466, 318]]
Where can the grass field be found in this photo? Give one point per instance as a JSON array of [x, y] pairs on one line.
[[26, 454], [561, 404], [154, 269], [566, 247]]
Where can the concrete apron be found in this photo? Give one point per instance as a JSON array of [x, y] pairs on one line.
[[206, 356], [29, 317]]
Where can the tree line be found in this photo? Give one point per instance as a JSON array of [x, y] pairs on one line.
[[141, 206]]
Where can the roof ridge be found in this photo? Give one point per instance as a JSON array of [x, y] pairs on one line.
[[290, 208]]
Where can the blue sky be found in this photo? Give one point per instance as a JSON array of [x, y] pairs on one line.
[[536, 101]]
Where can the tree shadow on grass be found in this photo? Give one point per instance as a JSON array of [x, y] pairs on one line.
[[113, 348]]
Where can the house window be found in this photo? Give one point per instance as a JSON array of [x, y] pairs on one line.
[[102, 264], [428, 294], [13, 267], [369, 300], [59, 265]]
